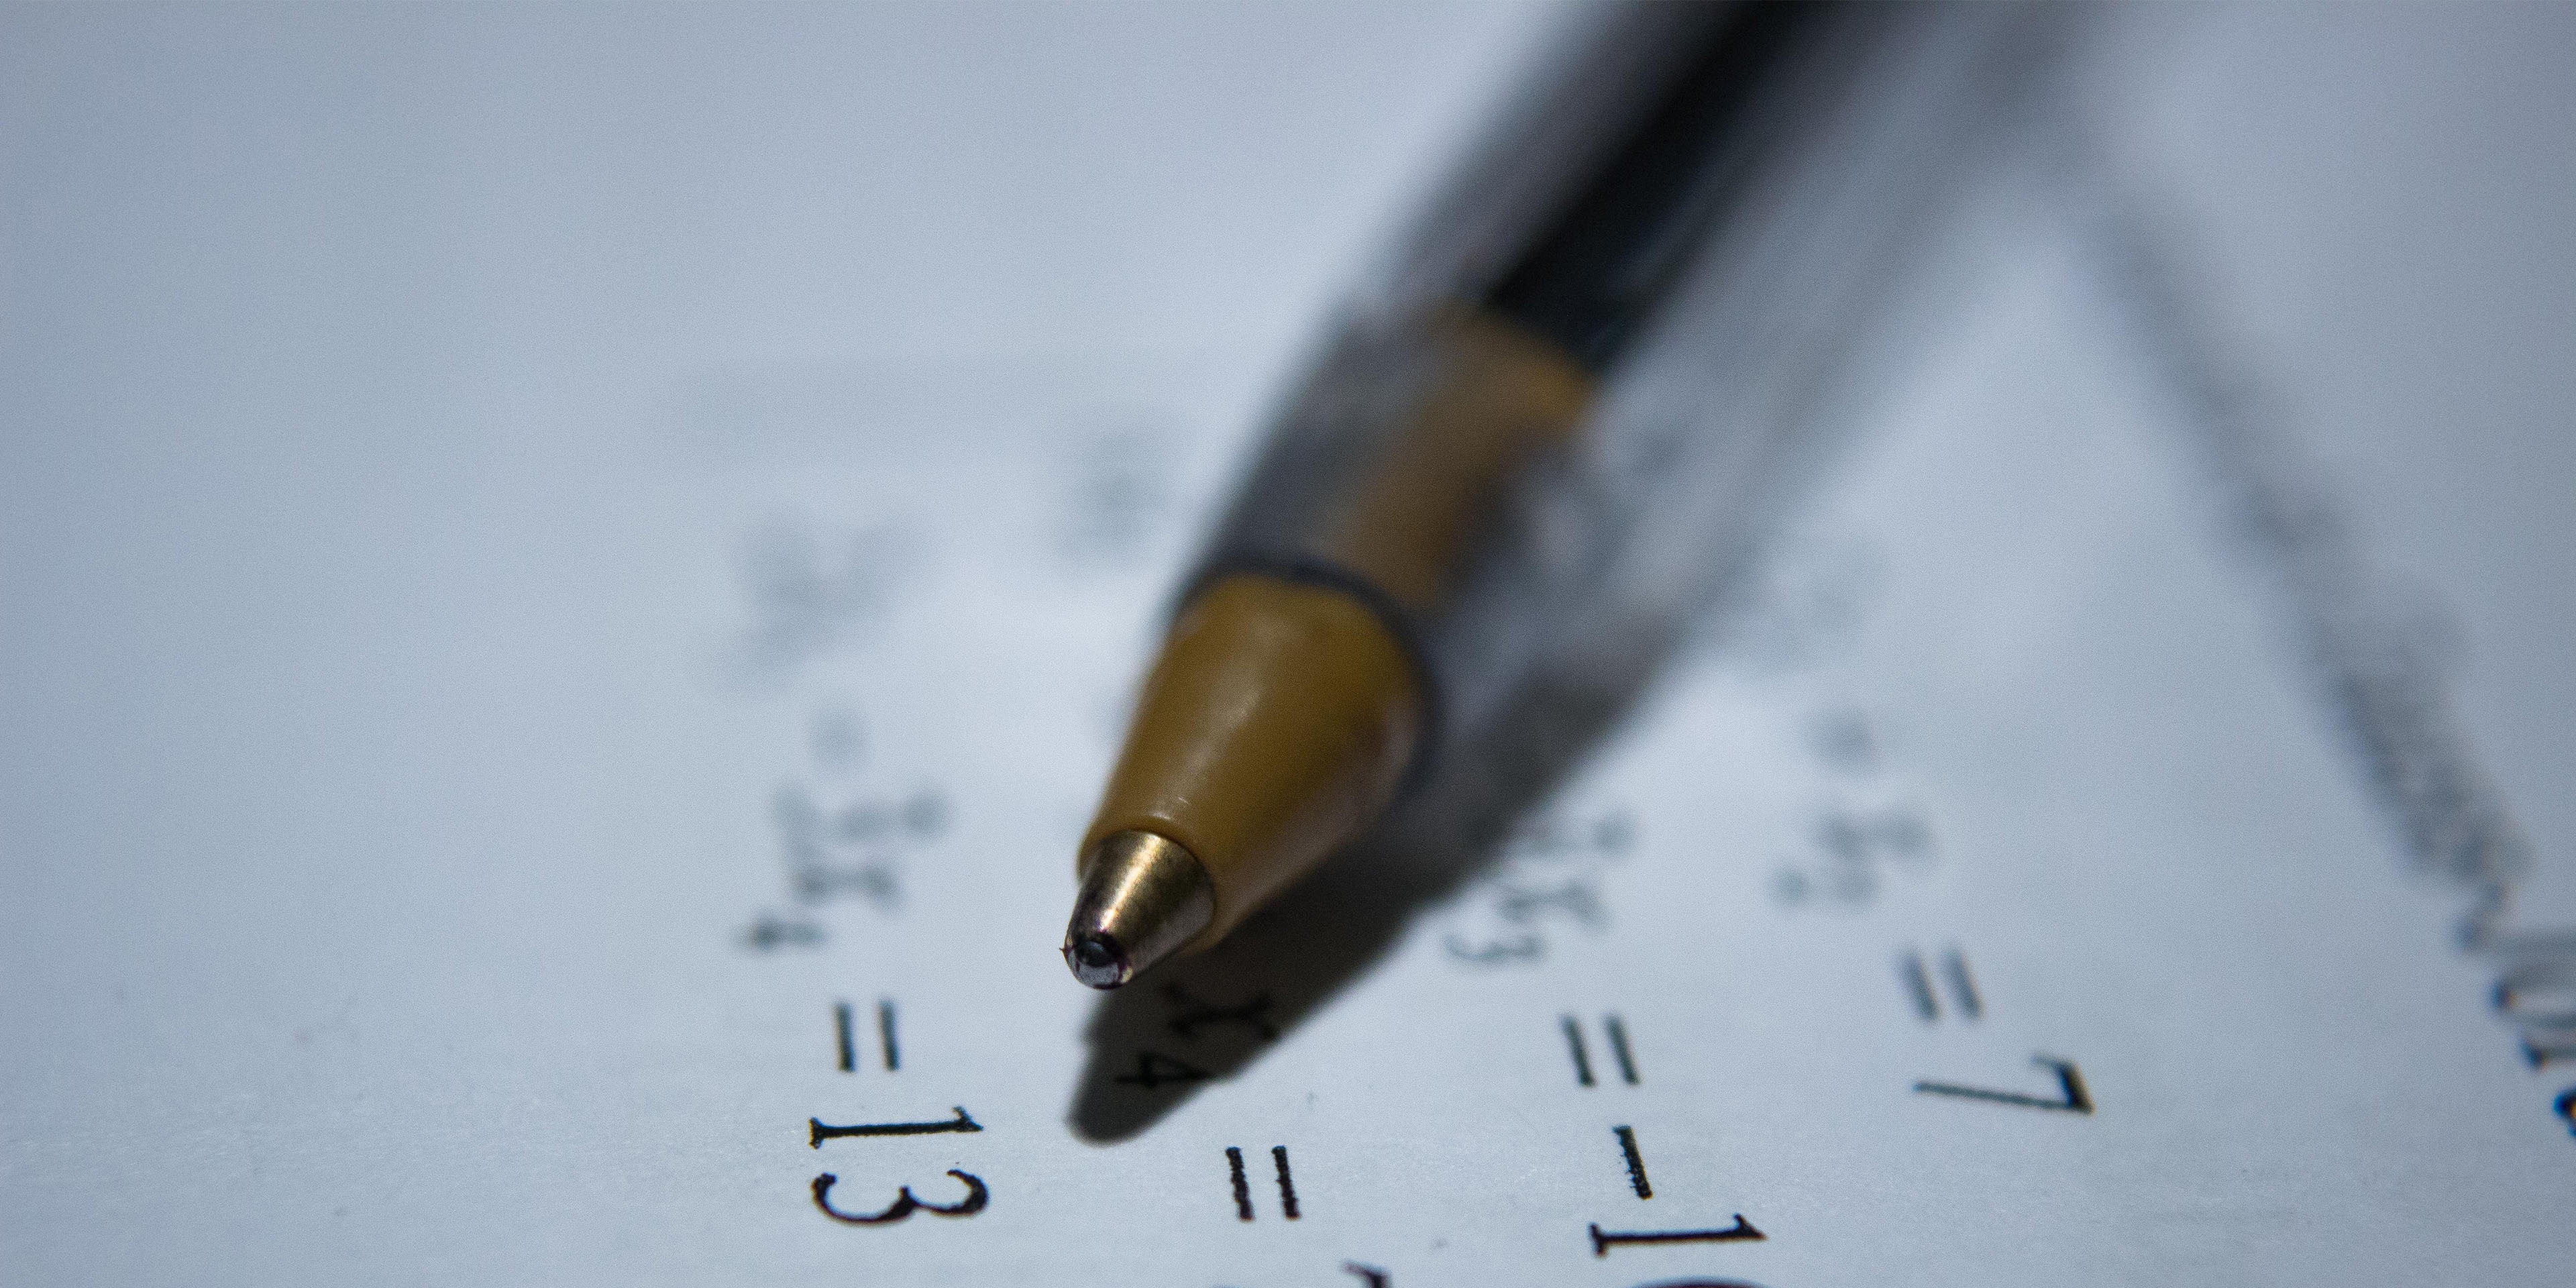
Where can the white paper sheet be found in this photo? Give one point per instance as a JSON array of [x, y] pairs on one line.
[[531, 699]]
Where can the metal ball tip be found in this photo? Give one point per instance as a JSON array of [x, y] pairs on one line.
[[1097, 961], [1143, 897]]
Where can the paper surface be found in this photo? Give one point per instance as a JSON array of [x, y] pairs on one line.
[[537, 697]]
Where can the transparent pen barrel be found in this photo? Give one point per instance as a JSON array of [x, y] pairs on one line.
[[1595, 519]]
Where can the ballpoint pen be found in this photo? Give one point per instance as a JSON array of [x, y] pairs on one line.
[[1357, 596]]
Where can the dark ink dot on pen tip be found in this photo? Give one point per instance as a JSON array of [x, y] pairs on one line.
[[1096, 961]]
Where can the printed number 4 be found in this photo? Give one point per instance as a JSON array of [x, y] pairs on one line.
[[1153, 1069]]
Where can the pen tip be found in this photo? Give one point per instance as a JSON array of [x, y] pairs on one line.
[[1097, 960], [1142, 898]]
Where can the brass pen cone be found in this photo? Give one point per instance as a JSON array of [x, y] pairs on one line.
[[1142, 898]]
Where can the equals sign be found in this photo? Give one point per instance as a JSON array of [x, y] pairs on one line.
[[847, 1044], [1954, 973], [1576, 1049]]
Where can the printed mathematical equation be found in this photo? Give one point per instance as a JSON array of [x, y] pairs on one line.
[[846, 832], [1866, 829], [838, 844], [1549, 876]]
